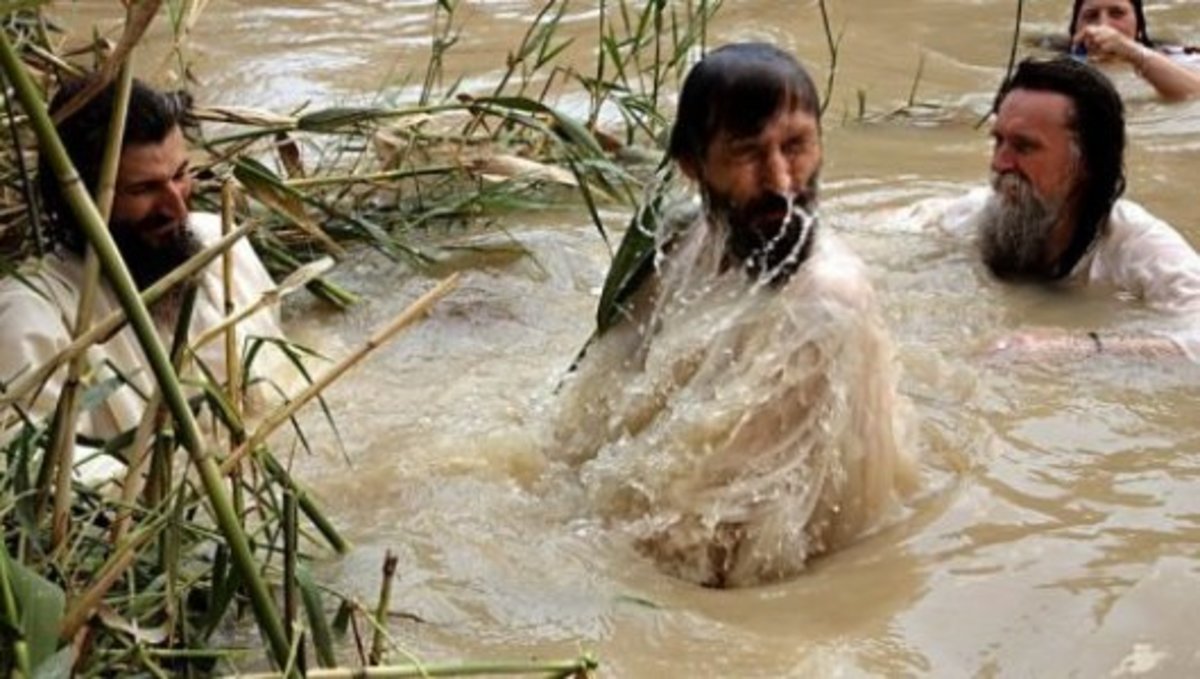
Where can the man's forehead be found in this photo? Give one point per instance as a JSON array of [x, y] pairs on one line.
[[794, 119], [149, 160], [1040, 108]]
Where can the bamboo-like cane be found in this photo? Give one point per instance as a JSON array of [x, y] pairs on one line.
[[62, 446], [233, 368], [122, 283], [291, 585], [284, 413], [390, 561], [578, 667]]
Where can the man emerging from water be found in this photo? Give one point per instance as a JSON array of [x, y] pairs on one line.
[[740, 419]]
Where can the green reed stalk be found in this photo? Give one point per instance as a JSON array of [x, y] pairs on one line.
[[291, 583], [118, 276], [390, 562], [62, 441]]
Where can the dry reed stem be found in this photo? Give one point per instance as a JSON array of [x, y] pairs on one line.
[[409, 316], [138, 15]]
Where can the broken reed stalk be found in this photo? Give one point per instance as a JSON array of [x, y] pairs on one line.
[[62, 446], [272, 422], [578, 667], [96, 230], [390, 561]]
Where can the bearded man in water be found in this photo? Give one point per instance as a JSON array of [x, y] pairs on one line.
[[741, 418], [155, 231], [1054, 216]]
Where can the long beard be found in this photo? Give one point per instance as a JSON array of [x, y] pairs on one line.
[[1014, 236], [771, 236]]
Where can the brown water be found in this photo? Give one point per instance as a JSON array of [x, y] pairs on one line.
[[1059, 532]]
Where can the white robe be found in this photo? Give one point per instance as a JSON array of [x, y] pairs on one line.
[[1140, 257], [37, 316], [738, 429]]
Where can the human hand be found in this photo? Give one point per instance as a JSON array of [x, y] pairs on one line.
[[1104, 43]]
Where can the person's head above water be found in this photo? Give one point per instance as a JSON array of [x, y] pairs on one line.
[[1124, 16], [748, 132], [1057, 168], [150, 202]]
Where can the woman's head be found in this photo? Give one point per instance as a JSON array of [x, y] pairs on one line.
[[1125, 16]]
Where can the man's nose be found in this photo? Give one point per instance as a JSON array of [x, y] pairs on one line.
[[777, 173], [174, 199], [1003, 160]]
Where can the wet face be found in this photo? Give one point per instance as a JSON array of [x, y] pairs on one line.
[[1033, 138], [1116, 14], [149, 212], [1035, 173], [757, 183]]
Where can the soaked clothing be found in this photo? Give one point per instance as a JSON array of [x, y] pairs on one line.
[[735, 428], [1139, 257], [37, 316]]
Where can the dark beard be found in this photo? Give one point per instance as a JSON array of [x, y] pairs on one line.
[[1014, 235], [769, 236], [148, 263]]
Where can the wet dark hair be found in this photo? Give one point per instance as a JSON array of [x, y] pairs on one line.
[[1098, 122], [1138, 12], [152, 116], [737, 89]]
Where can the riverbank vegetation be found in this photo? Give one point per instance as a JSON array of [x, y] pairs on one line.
[[150, 572], [203, 531]]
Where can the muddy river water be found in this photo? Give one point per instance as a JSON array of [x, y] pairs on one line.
[[1058, 532]]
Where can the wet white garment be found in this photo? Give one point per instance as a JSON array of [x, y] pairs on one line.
[[1139, 257], [37, 316], [737, 429]]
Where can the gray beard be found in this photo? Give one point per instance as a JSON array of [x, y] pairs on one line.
[[1014, 235]]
